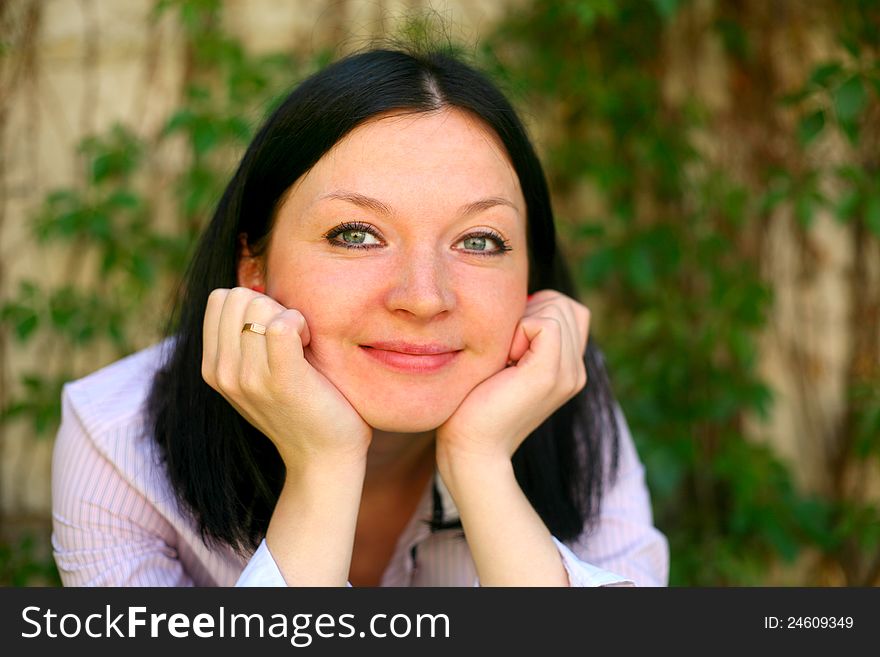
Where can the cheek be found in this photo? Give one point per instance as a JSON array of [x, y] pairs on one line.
[[333, 301], [321, 290], [490, 310]]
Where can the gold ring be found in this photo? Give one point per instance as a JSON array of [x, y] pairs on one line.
[[253, 327]]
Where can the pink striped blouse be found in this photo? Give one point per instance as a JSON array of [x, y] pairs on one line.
[[117, 522]]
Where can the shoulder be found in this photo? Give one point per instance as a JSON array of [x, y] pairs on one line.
[[115, 395]]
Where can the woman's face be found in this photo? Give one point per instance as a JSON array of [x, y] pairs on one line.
[[405, 249]]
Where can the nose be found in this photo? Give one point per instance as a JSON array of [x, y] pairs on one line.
[[420, 286]]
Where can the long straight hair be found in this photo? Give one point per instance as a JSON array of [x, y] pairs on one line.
[[226, 473]]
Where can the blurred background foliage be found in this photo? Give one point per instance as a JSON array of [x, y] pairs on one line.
[[669, 249]]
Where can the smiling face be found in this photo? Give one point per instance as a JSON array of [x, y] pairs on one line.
[[405, 249]]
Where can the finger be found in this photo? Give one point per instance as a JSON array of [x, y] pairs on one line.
[[573, 372], [520, 343], [583, 315], [539, 304], [518, 346], [286, 335], [544, 335], [541, 296], [561, 307], [254, 367], [577, 314], [211, 332], [571, 363], [229, 339], [565, 307]]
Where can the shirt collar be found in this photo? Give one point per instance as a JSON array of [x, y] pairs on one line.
[[448, 510]]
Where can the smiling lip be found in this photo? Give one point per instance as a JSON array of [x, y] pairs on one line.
[[411, 358]]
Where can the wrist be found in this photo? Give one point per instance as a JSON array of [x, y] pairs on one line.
[[311, 532], [464, 469], [307, 462], [315, 471]]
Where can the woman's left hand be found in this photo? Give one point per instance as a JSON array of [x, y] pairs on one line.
[[548, 351]]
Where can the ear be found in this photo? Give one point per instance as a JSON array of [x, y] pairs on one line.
[[251, 270]]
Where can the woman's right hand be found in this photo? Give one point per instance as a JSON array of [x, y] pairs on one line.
[[320, 437], [268, 380]]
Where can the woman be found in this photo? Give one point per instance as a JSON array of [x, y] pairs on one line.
[[379, 374]]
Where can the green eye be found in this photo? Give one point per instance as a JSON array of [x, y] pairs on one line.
[[483, 243], [475, 243], [354, 236]]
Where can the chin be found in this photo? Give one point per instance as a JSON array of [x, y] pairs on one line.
[[407, 418]]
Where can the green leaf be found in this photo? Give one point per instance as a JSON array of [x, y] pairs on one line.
[[776, 193], [640, 269], [99, 225], [204, 136], [847, 205], [142, 269], [872, 213], [239, 128], [597, 267], [795, 97], [804, 209], [852, 46], [25, 326], [587, 12], [810, 127], [868, 433], [102, 167], [780, 538], [590, 230], [22, 314], [851, 174], [849, 99], [180, 120], [734, 38], [825, 74], [666, 8], [123, 198]]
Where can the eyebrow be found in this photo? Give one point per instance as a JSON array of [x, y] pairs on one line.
[[379, 207], [360, 200]]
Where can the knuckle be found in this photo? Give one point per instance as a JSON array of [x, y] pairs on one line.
[[583, 315], [278, 326], [227, 381], [570, 381], [295, 316], [240, 293], [260, 302], [580, 380], [208, 373], [289, 321], [553, 324], [250, 383], [218, 293]]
